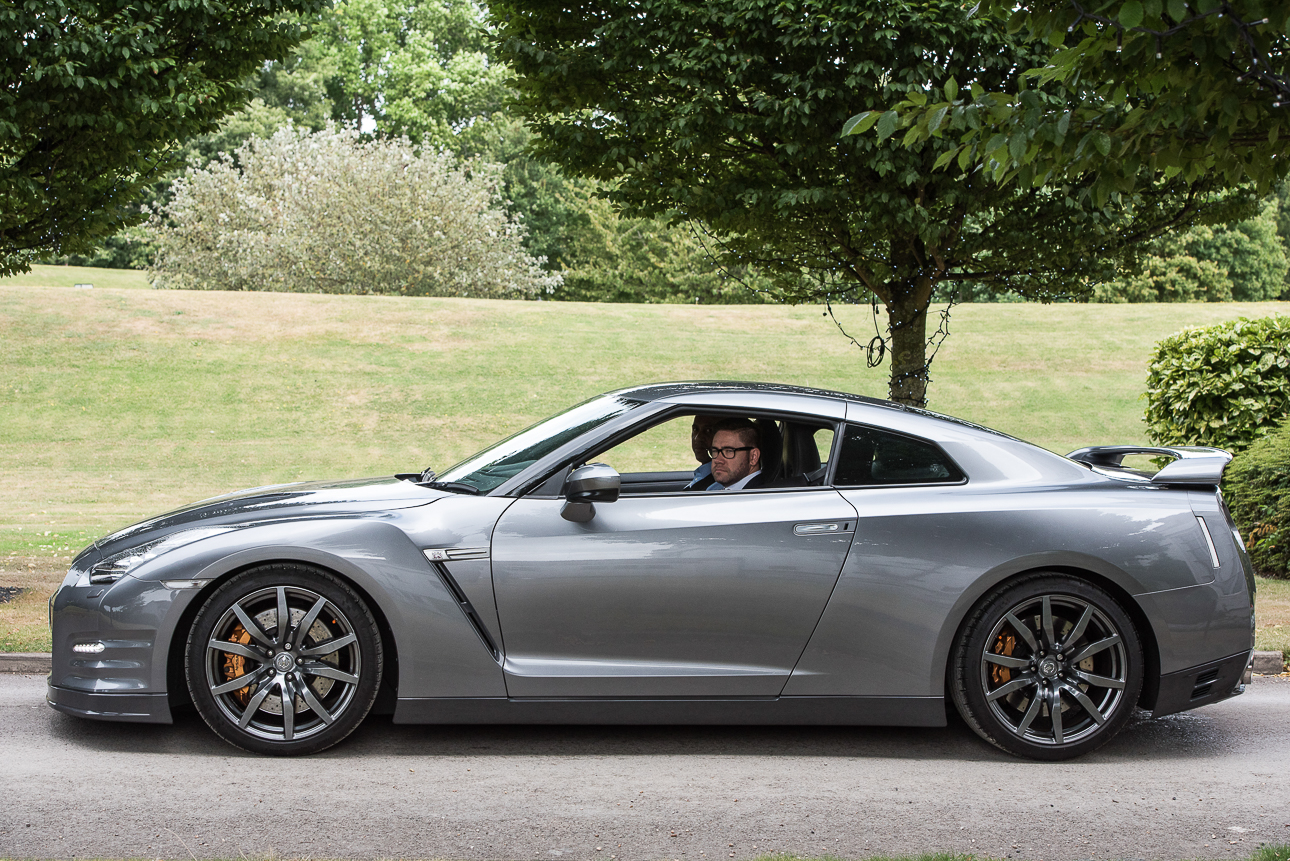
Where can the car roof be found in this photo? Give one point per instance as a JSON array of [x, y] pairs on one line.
[[689, 388], [658, 391]]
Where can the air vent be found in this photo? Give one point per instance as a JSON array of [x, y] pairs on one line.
[[1204, 683]]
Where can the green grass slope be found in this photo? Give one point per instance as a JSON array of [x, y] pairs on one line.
[[121, 403]]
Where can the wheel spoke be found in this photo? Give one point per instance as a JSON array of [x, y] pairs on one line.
[[288, 710], [1083, 699], [1006, 660], [1035, 703], [308, 621], [328, 646], [1049, 639], [314, 704], [1014, 685], [284, 617], [1078, 630], [1094, 648], [1100, 681], [240, 682], [252, 627], [239, 649], [1055, 712], [254, 705], [1023, 631], [316, 668]]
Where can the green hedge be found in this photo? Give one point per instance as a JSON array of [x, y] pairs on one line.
[[1224, 385], [1257, 489]]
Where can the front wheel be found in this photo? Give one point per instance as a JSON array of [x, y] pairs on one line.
[[1049, 667], [284, 659]]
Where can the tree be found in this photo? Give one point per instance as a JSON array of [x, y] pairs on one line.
[[419, 69], [327, 212], [95, 96], [1189, 88], [728, 114], [1244, 262]]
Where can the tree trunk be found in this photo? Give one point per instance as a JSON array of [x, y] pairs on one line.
[[907, 304]]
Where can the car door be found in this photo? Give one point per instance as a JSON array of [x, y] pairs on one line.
[[668, 594]]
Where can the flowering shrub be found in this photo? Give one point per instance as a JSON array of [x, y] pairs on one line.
[[328, 212]]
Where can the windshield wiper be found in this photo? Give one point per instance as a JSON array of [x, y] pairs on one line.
[[453, 486]]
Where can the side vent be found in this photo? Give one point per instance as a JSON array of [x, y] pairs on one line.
[[1204, 684], [466, 607]]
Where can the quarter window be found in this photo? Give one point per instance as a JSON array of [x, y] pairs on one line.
[[873, 457]]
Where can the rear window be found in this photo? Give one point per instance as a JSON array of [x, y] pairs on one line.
[[874, 457]]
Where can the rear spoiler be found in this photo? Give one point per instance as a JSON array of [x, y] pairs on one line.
[[1192, 464]]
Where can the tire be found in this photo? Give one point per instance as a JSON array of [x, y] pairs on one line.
[[328, 658], [1048, 667]]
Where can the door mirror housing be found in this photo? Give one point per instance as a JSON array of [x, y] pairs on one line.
[[595, 482]]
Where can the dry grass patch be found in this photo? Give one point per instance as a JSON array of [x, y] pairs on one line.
[[24, 620], [1272, 616]]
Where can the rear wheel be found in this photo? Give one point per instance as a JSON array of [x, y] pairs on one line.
[[284, 659], [1049, 667]]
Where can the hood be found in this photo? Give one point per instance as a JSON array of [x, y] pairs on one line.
[[278, 501]]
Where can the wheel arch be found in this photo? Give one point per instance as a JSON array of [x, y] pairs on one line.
[[1146, 632], [176, 684]]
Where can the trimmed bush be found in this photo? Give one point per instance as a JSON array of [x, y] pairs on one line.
[[1224, 385], [1257, 489]]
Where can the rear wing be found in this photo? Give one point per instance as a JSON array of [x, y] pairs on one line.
[[1192, 464]]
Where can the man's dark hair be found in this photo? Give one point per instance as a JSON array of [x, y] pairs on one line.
[[748, 434]]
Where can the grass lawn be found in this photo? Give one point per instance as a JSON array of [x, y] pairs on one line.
[[42, 275], [120, 403]]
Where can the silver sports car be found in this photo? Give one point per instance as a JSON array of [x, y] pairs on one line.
[[871, 563]]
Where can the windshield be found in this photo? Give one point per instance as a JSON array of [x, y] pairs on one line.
[[494, 465]]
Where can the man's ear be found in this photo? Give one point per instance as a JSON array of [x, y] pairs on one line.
[[754, 458]]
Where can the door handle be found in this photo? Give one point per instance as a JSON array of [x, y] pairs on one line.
[[817, 528]]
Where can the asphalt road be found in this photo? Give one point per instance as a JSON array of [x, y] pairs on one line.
[[1208, 784]]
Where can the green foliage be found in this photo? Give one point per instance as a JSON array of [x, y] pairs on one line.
[[1245, 262], [1257, 489], [131, 248], [96, 94], [1223, 385], [734, 126], [614, 259], [1128, 91], [417, 69], [328, 212]]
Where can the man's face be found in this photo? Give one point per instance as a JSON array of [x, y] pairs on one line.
[[701, 436], [728, 470]]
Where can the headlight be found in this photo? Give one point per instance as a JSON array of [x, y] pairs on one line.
[[116, 566]]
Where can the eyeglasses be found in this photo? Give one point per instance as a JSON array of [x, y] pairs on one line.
[[729, 451]]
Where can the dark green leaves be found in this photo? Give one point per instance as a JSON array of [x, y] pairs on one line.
[[97, 96], [1131, 14]]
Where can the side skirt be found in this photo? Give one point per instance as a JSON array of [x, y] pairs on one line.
[[802, 711]]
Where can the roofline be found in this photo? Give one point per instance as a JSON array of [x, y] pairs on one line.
[[655, 391]]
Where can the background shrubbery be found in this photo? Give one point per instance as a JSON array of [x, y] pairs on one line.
[[1224, 385], [328, 212], [1257, 489]]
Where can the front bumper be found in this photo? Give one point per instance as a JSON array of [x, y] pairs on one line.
[[132, 708]]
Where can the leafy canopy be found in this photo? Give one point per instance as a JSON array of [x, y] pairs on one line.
[[1127, 88], [96, 94], [728, 114]]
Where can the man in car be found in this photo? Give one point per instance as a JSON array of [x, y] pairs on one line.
[[736, 456], [701, 432]]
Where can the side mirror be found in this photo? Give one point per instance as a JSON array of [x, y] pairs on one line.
[[595, 482]]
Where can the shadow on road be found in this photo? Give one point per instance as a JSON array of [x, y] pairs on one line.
[[1187, 735]]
